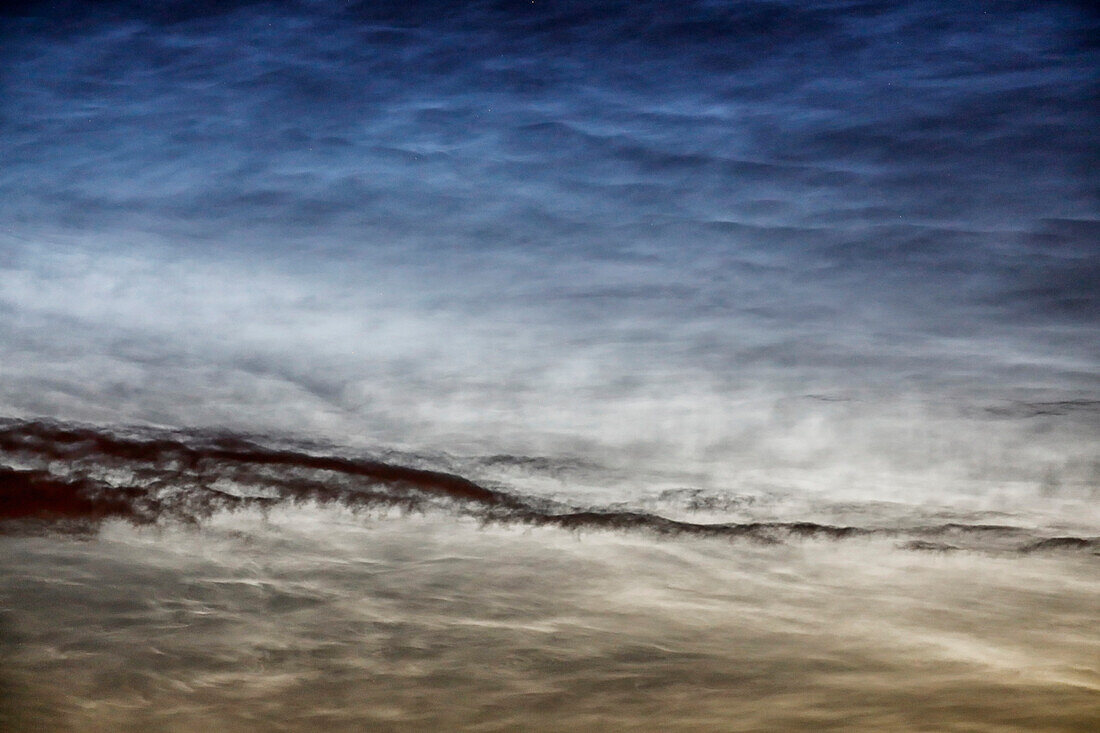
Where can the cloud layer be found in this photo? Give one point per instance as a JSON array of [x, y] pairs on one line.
[[837, 244]]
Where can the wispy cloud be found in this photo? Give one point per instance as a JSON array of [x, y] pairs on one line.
[[566, 227]]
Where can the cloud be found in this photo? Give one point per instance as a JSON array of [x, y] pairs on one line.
[[566, 227], [188, 478]]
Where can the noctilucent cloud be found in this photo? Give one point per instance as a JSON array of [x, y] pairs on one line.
[[837, 246], [549, 365]]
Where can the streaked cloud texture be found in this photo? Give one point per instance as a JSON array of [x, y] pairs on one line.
[[837, 245]]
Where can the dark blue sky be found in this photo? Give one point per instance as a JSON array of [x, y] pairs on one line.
[[841, 240]]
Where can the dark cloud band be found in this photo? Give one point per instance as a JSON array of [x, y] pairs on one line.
[[173, 477]]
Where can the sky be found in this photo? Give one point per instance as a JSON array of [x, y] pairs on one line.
[[838, 247]]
